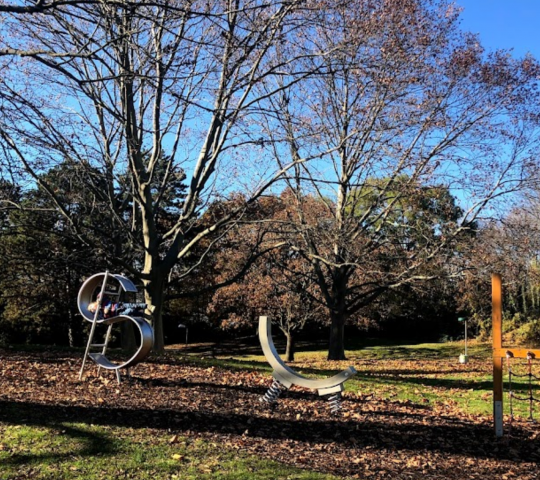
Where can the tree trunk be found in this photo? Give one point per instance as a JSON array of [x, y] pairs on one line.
[[71, 327], [70, 310], [289, 352], [336, 348], [338, 314], [154, 294], [127, 336], [71, 333]]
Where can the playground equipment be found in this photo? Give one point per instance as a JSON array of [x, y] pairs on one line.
[[285, 377], [101, 310], [530, 376], [499, 354]]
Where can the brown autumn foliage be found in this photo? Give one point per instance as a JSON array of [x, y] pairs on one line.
[[509, 247], [274, 287], [278, 283], [283, 284]]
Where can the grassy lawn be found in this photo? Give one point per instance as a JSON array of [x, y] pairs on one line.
[[82, 451]]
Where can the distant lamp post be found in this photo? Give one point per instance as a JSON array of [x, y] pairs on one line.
[[464, 358], [181, 325]]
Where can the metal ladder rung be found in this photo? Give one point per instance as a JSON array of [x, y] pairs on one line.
[[104, 345]]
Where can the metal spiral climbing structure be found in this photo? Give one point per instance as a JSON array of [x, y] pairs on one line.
[[87, 299]]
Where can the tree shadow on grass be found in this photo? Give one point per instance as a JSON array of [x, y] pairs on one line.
[[390, 376], [259, 391], [85, 443], [422, 372], [445, 383], [413, 377], [375, 431]]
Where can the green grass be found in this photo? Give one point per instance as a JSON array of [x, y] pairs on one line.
[[82, 451], [426, 374]]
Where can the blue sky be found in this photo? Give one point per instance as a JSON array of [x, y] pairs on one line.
[[504, 24]]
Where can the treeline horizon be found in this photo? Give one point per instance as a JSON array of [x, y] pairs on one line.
[[254, 271]]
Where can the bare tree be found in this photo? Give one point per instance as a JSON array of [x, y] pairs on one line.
[[409, 109], [150, 94], [37, 6]]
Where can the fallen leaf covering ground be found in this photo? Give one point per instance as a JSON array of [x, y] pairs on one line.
[[372, 438]]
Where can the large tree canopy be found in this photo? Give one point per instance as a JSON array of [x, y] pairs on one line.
[[403, 108], [147, 94]]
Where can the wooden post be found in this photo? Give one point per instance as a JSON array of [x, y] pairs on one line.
[[496, 296]]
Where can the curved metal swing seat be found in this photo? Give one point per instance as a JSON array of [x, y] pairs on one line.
[[85, 298], [287, 377]]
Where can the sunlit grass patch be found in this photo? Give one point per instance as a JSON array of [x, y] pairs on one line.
[[82, 451]]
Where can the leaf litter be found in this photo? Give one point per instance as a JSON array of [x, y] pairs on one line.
[[371, 437]]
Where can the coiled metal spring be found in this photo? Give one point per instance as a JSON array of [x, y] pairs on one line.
[[335, 402], [273, 392]]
